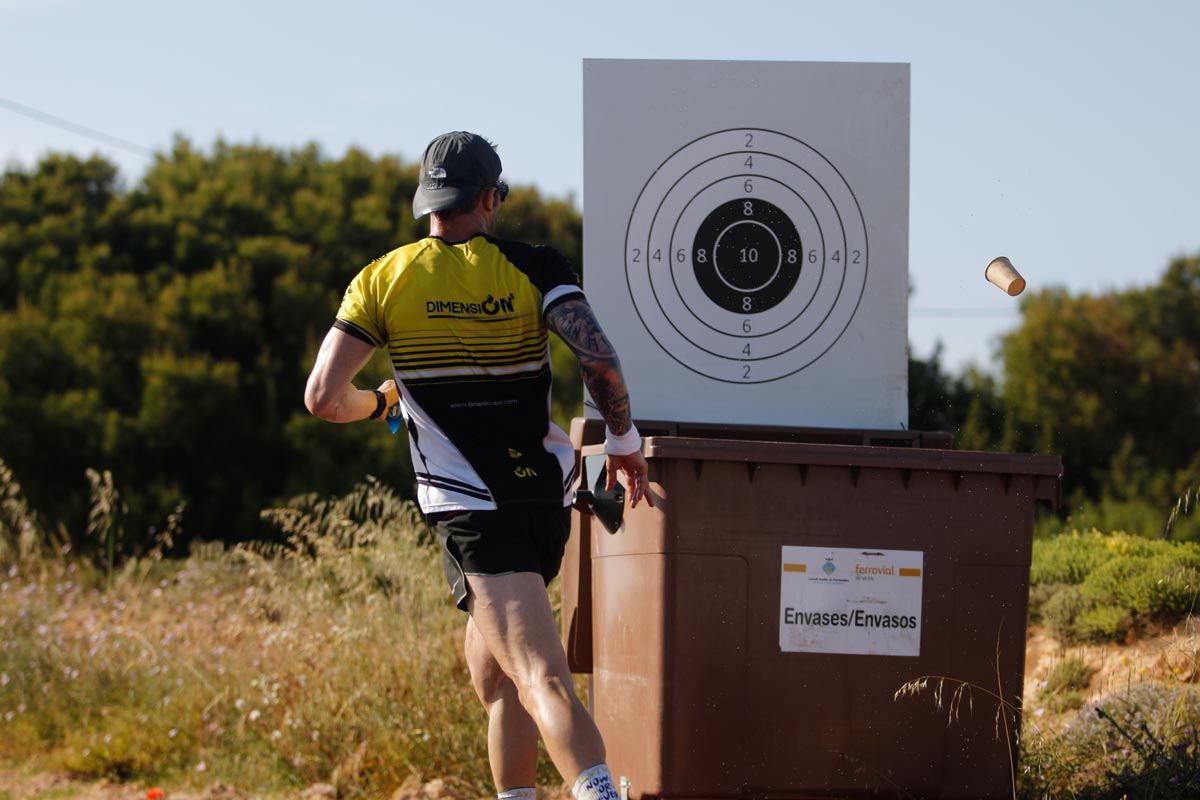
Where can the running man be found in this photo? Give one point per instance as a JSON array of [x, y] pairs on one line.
[[465, 316]]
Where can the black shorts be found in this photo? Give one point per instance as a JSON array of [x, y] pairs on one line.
[[515, 539]]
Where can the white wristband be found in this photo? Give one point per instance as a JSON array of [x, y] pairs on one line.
[[623, 445]]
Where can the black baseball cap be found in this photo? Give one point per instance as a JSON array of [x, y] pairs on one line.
[[454, 167]]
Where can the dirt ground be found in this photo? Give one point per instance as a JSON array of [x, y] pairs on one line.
[[18, 784], [21, 785], [1173, 657]]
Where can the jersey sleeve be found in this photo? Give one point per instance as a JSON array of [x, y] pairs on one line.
[[359, 314], [558, 280]]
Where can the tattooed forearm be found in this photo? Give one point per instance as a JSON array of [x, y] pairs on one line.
[[607, 388], [577, 326]]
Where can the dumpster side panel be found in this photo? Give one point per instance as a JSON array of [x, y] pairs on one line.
[[989, 629], [576, 586], [706, 648], [829, 722], [628, 678]]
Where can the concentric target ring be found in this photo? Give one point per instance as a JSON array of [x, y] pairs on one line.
[[721, 310]]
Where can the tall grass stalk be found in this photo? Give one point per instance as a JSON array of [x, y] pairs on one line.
[[1182, 508], [21, 532], [104, 516], [964, 689]]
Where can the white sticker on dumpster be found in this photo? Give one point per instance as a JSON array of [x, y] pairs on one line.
[[853, 600]]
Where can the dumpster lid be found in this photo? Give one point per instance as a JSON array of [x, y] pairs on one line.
[[851, 456], [591, 431]]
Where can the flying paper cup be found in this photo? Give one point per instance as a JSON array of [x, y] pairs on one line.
[[1003, 274]]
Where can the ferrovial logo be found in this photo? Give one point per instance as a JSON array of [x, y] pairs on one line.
[[490, 306]]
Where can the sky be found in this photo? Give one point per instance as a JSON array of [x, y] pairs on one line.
[[1060, 134]]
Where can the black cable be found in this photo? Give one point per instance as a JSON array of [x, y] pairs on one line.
[[994, 313], [74, 127]]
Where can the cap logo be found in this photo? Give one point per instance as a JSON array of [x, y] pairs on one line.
[[435, 178]]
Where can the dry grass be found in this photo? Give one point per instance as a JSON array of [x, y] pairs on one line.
[[334, 659]]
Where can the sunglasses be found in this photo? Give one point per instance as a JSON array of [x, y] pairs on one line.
[[499, 186]]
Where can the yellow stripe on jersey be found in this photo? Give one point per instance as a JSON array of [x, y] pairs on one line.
[[521, 346]]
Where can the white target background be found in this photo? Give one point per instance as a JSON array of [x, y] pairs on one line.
[[744, 166], [745, 237]]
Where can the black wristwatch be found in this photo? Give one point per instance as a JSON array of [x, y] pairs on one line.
[[380, 404]]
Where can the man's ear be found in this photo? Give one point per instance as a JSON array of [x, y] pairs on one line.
[[488, 199]]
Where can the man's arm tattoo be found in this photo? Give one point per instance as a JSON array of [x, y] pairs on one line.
[[576, 325]]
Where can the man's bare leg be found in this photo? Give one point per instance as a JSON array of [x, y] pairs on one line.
[[512, 615], [512, 733]]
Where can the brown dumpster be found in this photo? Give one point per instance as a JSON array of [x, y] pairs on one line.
[[748, 635]]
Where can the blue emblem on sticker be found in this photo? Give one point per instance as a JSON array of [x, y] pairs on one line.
[[828, 567]]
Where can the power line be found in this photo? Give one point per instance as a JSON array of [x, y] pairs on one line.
[[994, 313], [75, 127]]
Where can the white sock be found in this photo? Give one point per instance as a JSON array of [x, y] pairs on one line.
[[522, 793], [595, 783]]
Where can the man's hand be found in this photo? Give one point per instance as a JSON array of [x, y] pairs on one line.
[[330, 394], [636, 477], [392, 393]]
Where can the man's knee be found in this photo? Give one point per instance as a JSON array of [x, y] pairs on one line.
[[544, 687], [489, 681]]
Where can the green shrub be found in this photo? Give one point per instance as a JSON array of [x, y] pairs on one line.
[[1063, 701], [123, 743], [1070, 673], [1039, 595], [1162, 584], [1101, 623], [1114, 582], [1062, 609], [1171, 584], [1067, 558], [1063, 690], [1092, 587]]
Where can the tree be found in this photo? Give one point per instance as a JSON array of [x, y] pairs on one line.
[[1094, 377], [164, 332], [53, 220], [967, 406]]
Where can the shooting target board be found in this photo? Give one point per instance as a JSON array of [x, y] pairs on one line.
[[746, 238]]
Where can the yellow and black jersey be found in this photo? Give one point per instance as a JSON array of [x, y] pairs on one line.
[[463, 323]]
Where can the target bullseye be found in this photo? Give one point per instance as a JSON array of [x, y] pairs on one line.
[[744, 259], [752, 262]]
